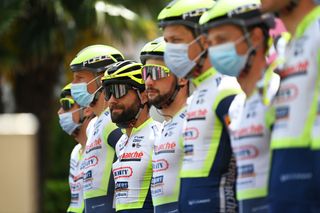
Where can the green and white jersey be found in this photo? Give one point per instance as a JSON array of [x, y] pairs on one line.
[[98, 157], [166, 161], [297, 99], [250, 133], [75, 181], [132, 170]]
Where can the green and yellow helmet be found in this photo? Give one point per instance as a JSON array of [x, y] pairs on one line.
[[95, 58], [153, 49], [124, 72], [244, 13], [66, 91], [184, 12]]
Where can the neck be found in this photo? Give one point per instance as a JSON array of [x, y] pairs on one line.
[[144, 115], [177, 104], [248, 81], [206, 65], [293, 18], [99, 106], [82, 135]]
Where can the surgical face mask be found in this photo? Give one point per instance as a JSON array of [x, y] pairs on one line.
[[80, 93], [225, 59], [177, 59], [67, 123]]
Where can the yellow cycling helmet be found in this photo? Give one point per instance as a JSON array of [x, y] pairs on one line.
[[244, 13], [153, 49], [95, 58], [124, 72], [184, 12]]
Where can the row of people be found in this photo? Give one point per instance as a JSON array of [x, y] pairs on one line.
[[245, 140]]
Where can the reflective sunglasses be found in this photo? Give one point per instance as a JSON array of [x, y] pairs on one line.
[[155, 71], [66, 103], [117, 90]]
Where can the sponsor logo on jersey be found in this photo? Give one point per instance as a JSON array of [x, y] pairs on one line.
[[286, 93], [246, 171], [122, 172], [121, 185], [89, 162], [78, 177], [75, 187], [191, 133], [188, 149], [136, 141], [168, 147], [88, 175], [157, 180], [160, 165], [199, 114], [200, 99], [299, 69], [97, 144], [97, 127], [246, 152], [248, 132], [74, 198], [282, 113], [131, 156]]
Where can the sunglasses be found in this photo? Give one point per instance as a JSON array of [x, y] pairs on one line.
[[66, 103], [117, 90], [155, 71]]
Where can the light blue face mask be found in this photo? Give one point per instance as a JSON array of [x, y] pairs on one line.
[[225, 59], [80, 93], [177, 59], [67, 123]]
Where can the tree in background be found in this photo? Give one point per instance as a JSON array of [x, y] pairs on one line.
[[39, 38]]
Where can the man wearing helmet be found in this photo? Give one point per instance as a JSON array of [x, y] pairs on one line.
[[74, 120], [169, 95], [125, 91], [88, 67], [295, 172], [237, 35], [208, 168]]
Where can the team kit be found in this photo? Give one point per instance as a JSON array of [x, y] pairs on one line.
[[237, 84]]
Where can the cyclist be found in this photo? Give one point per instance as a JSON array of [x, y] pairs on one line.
[[208, 168], [88, 67], [125, 91], [237, 35], [74, 120], [294, 183], [169, 95]]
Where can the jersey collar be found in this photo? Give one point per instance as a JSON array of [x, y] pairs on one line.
[[204, 76]]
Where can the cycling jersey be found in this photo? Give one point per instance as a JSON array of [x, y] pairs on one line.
[[97, 162], [292, 180], [132, 170], [166, 165], [75, 181], [208, 168], [250, 133]]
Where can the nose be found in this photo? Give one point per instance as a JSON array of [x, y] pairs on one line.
[[149, 82]]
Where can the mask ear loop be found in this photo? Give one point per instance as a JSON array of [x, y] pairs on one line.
[[202, 56]]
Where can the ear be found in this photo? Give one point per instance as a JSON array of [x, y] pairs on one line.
[[203, 40], [182, 82], [257, 36], [144, 97], [87, 111]]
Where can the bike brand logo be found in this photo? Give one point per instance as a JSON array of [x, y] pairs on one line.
[[122, 172]]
